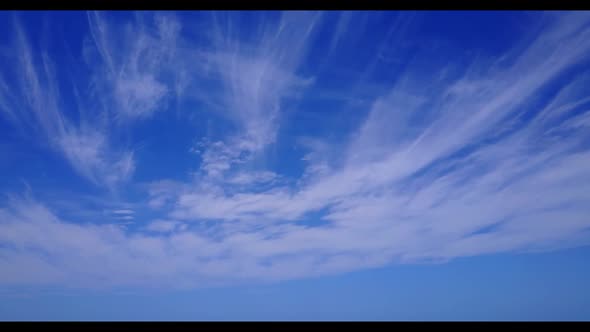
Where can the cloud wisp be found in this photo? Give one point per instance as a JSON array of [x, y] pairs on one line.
[[256, 77], [35, 105], [139, 69]]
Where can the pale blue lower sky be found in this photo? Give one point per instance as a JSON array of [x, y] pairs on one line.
[[547, 286]]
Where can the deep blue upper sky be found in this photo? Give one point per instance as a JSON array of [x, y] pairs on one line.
[[295, 165]]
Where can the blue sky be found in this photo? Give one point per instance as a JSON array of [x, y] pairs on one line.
[[294, 165]]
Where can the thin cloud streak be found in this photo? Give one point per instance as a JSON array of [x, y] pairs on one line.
[[35, 106]]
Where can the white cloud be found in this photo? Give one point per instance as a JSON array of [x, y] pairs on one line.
[[135, 66], [251, 178], [123, 211], [400, 184], [163, 192], [35, 106], [442, 167], [89, 154], [165, 226], [138, 62], [255, 79]]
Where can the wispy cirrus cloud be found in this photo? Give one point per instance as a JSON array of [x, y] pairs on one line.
[[135, 71], [464, 160], [123, 211], [138, 68], [256, 75], [34, 104], [446, 150], [165, 226]]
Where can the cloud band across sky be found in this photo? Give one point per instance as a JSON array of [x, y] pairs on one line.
[[307, 158]]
